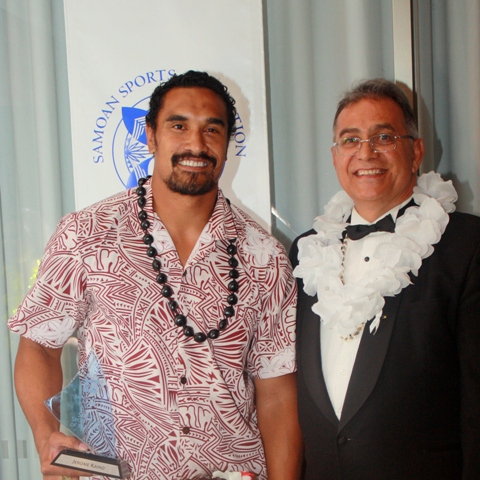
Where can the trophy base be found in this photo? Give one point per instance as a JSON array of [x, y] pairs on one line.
[[89, 462]]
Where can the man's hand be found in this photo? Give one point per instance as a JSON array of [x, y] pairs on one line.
[[51, 448]]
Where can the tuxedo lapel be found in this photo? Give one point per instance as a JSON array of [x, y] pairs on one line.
[[311, 360], [369, 361]]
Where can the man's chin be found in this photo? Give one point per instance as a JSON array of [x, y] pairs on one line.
[[192, 192], [191, 189]]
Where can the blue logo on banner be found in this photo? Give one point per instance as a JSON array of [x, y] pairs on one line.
[[132, 136], [130, 155]]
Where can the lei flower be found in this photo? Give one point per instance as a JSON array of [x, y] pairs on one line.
[[347, 308]]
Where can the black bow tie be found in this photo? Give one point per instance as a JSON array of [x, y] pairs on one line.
[[356, 232]]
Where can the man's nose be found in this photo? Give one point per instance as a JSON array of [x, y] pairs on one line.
[[196, 141], [367, 151]]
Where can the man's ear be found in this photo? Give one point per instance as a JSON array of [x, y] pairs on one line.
[[334, 157], [418, 152], [151, 142]]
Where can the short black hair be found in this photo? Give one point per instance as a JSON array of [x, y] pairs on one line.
[[192, 79], [378, 88]]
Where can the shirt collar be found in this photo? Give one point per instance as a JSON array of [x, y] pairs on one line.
[[357, 219], [221, 225]]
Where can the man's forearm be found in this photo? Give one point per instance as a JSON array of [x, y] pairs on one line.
[[283, 450], [278, 423], [38, 376]]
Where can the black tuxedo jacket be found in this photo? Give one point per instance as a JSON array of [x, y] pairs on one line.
[[412, 408]]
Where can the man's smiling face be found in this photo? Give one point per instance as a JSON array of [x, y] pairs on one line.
[[190, 141], [376, 181]]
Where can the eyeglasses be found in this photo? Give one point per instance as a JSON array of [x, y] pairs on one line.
[[383, 142]]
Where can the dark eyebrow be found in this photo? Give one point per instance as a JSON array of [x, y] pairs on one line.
[[176, 118], [182, 118], [216, 121]]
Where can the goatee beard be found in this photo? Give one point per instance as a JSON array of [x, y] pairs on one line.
[[192, 183]]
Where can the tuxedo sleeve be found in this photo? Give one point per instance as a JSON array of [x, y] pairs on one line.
[[468, 344]]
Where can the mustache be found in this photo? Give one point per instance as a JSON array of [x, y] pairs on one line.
[[176, 157]]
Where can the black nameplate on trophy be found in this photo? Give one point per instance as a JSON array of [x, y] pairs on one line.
[[89, 462]]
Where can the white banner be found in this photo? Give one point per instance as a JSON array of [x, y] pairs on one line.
[[118, 51]]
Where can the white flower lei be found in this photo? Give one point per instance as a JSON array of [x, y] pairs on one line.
[[348, 307]]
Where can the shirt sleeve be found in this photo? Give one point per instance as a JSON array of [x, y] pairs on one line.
[[53, 308], [273, 351]]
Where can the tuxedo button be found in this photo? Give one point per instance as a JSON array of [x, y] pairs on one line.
[[342, 440]]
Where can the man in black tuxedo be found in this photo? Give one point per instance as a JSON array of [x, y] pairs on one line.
[[388, 321]]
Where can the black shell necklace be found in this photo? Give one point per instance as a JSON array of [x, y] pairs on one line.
[[161, 278]]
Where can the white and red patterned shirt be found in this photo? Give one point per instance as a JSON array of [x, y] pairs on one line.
[[182, 409]]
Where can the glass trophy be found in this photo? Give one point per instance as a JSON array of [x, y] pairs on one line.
[[84, 408]]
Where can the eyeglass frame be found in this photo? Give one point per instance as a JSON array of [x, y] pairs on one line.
[[369, 140]]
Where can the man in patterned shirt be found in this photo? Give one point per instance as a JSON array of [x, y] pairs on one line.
[[198, 346]]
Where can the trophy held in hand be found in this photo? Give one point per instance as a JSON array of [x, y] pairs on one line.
[[84, 408]]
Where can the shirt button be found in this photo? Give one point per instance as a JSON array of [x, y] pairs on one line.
[[367, 259], [183, 380], [186, 430], [342, 440], [343, 372]]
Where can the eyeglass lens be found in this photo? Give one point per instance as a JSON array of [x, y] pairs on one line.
[[379, 143]]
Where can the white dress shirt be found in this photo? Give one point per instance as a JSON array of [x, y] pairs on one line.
[[338, 355]]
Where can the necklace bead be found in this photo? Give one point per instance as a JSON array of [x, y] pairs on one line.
[[161, 278], [180, 320], [233, 273], [213, 334], [222, 324], [167, 291], [199, 337], [147, 239]]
